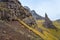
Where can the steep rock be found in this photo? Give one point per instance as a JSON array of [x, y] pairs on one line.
[[34, 14], [9, 10], [48, 23]]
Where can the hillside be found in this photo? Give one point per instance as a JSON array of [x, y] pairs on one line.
[[8, 32], [58, 20], [49, 31], [50, 28], [10, 27], [18, 23]]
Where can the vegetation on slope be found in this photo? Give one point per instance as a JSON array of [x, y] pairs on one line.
[[48, 31]]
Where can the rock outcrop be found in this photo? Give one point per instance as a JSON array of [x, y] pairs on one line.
[[48, 23], [10, 28], [34, 14], [9, 9]]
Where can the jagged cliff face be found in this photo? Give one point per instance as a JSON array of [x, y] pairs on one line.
[[34, 14], [9, 9]]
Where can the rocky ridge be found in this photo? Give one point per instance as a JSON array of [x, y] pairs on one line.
[[10, 28], [34, 14]]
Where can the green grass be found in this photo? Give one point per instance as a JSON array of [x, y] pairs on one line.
[[57, 24], [50, 33]]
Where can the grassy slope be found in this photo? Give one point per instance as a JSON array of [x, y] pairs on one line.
[[50, 33]]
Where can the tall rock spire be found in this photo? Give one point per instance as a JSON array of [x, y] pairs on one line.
[[47, 18], [48, 23]]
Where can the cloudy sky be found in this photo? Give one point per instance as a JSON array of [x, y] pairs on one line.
[[51, 7]]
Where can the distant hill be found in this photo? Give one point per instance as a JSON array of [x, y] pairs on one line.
[[58, 20], [34, 14]]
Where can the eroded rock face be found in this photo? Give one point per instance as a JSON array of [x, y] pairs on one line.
[[9, 9], [34, 14], [48, 23]]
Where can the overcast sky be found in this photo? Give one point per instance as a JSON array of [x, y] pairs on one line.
[[51, 7]]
